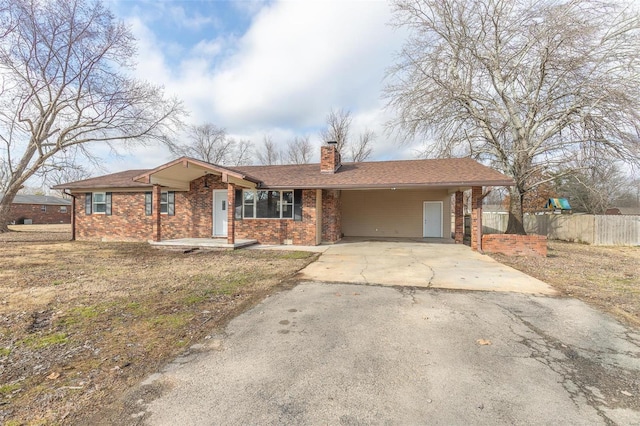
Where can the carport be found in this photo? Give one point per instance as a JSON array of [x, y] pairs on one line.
[[408, 213]]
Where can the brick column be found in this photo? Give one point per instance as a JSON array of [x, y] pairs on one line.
[[459, 217], [476, 218], [155, 213], [231, 213], [73, 218]]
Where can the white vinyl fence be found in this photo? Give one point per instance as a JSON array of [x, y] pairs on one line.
[[601, 230]]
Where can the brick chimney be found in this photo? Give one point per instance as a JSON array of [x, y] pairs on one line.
[[329, 158]]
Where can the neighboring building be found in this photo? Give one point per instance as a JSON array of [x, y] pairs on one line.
[[628, 211], [286, 204], [39, 209]]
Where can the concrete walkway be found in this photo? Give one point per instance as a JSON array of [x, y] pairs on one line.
[[450, 266]]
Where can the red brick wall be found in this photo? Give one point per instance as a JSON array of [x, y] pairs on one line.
[[126, 223], [331, 216], [515, 245], [276, 231], [19, 212], [194, 210], [193, 215], [459, 217], [194, 218]]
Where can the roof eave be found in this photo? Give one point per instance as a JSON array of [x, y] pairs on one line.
[[394, 185]]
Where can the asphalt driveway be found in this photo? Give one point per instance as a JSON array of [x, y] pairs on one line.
[[418, 264], [360, 354]]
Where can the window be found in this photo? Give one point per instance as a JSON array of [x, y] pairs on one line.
[[238, 206], [268, 204], [63, 209], [167, 203], [248, 208], [97, 202], [43, 208], [148, 203]]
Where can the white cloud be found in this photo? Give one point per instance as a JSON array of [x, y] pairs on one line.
[[300, 59], [297, 61]]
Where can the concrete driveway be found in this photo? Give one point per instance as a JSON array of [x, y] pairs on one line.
[[452, 266], [352, 354]]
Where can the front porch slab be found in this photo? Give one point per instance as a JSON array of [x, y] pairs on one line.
[[206, 243]]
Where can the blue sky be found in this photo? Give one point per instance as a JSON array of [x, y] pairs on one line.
[[266, 68]]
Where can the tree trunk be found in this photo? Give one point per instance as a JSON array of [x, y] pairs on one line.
[[516, 217], [5, 210]]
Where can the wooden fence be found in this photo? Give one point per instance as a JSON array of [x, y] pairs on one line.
[[591, 229]]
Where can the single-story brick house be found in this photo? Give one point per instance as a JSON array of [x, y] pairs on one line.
[[284, 204], [39, 209]]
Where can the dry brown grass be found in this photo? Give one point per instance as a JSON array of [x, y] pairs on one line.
[[607, 277], [82, 322]]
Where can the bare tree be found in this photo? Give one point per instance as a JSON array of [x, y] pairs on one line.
[[338, 126], [299, 150], [64, 76], [269, 154], [242, 153], [522, 84], [68, 173], [206, 142], [362, 150], [339, 129], [593, 185]]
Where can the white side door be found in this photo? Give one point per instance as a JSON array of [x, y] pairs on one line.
[[220, 213], [432, 219]]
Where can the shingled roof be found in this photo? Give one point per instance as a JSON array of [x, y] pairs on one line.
[[449, 172], [380, 174], [39, 199], [113, 180]]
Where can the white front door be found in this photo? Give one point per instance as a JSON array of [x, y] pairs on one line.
[[432, 219], [220, 213]]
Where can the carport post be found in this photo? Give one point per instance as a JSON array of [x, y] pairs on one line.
[[157, 217], [459, 217], [476, 218], [231, 213]]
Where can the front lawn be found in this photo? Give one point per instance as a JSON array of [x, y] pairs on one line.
[[607, 277], [81, 322]]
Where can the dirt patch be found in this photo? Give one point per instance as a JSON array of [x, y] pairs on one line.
[[82, 322], [606, 277]]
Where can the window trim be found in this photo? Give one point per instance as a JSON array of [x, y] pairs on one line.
[[43, 208], [90, 203], [280, 204], [170, 204], [63, 209]]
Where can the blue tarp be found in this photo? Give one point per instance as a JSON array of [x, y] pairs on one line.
[[558, 204]]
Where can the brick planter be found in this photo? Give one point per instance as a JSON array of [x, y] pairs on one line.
[[515, 245]]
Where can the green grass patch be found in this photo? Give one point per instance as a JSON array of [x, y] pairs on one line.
[[233, 282], [7, 389], [5, 351], [194, 299], [136, 308], [39, 342], [175, 321]]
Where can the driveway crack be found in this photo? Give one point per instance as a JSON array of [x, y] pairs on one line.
[[581, 376], [419, 261], [366, 265]]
